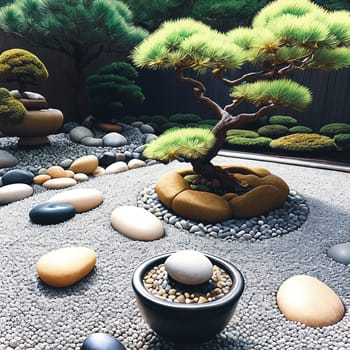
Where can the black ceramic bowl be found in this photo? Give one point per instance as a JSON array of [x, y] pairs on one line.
[[187, 323]]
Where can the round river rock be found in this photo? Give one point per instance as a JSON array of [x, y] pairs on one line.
[[189, 267], [102, 341]]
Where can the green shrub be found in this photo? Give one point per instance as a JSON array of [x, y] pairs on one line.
[[145, 118], [257, 142], [304, 143], [212, 122], [242, 133], [185, 118], [273, 131], [300, 129], [335, 128], [11, 110], [205, 126], [342, 140], [159, 119], [283, 120]]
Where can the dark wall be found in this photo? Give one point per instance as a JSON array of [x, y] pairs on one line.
[[166, 96]]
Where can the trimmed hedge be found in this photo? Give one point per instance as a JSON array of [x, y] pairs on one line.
[[304, 143], [335, 128], [273, 131], [342, 140], [300, 129], [184, 118], [257, 142], [242, 133], [283, 120]]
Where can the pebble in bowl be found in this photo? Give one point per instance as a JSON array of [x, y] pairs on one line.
[[191, 312]]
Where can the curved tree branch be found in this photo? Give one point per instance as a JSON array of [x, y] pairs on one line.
[[199, 91]]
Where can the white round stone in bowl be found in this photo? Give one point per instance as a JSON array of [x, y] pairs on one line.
[[189, 267]]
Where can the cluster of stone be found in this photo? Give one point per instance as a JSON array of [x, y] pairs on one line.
[[275, 223]]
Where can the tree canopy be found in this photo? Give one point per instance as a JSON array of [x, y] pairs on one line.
[[284, 37]]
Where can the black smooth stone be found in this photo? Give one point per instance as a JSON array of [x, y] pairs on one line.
[[17, 176], [51, 213], [101, 341], [106, 159]]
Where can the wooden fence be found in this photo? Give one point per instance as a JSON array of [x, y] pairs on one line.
[[166, 96]]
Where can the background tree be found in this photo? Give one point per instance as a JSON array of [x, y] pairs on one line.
[[83, 30], [284, 37], [22, 67], [112, 88]]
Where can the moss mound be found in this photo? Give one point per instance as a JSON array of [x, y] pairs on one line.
[[283, 120], [273, 131], [257, 142], [129, 119], [300, 129], [185, 118], [170, 125], [242, 133], [342, 140], [158, 119], [304, 143], [335, 128], [211, 122]]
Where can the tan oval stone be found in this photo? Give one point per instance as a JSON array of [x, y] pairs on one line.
[[306, 299], [40, 179], [202, 206], [269, 193], [66, 266], [116, 168], [169, 186], [85, 164], [83, 199], [69, 173], [99, 171], [14, 192], [62, 182], [136, 223], [136, 163], [56, 171], [80, 177]]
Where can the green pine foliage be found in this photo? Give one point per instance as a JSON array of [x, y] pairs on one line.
[[112, 88], [11, 110], [282, 92], [22, 66], [181, 143], [72, 26]]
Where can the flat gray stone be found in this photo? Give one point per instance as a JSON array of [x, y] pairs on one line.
[[80, 132], [114, 139], [340, 253], [7, 160], [150, 137]]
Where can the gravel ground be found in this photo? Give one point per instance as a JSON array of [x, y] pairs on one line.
[[35, 316]]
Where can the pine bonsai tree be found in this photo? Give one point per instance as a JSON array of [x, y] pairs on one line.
[[22, 67], [11, 110], [83, 30], [113, 88], [284, 37]]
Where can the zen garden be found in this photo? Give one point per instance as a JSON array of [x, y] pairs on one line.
[[174, 174]]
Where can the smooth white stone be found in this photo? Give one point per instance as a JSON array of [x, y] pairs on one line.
[[14, 192], [306, 299], [83, 199], [137, 223], [116, 167], [189, 267], [80, 177], [59, 182]]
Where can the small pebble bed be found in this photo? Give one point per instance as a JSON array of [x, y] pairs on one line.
[[158, 283], [276, 223]]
